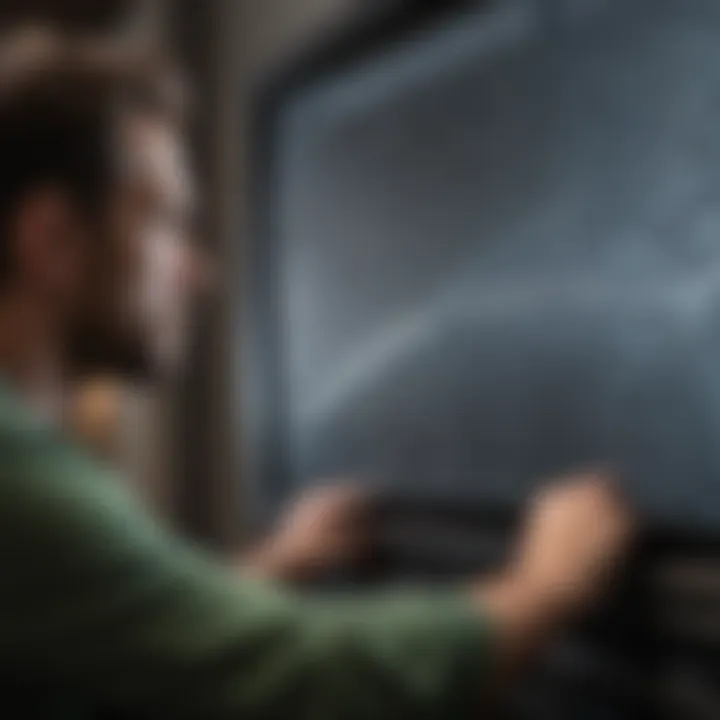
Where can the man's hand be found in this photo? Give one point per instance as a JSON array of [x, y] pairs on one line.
[[323, 530], [577, 534]]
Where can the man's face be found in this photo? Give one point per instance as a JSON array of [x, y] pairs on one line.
[[144, 276]]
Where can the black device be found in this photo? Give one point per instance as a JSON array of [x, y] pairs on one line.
[[487, 251]]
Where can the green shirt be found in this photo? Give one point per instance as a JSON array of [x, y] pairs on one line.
[[98, 601]]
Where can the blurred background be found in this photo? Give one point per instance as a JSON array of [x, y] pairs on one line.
[[493, 243]]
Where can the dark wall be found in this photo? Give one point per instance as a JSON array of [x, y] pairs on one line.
[[192, 33], [76, 14]]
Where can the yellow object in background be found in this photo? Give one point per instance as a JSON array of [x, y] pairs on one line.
[[96, 416]]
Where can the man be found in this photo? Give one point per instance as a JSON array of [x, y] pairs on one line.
[[100, 604]]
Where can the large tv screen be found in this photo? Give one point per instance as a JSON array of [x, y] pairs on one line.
[[495, 256]]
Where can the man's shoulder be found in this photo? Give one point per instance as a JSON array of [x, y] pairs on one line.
[[19, 426], [35, 454], [47, 480]]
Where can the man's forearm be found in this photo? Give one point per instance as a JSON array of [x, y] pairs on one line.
[[265, 560], [259, 561], [524, 620], [321, 530]]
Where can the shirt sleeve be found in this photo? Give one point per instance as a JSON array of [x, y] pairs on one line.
[[97, 597]]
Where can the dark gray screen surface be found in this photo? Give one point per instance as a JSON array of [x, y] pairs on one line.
[[499, 255]]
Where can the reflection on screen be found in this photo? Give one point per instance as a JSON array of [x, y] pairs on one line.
[[500, 255]]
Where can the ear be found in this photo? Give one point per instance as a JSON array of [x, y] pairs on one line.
[[47, 247]]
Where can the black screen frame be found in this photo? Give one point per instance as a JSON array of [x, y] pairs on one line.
[[264, 427]]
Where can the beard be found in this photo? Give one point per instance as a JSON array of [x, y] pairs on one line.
[[133, 352], [125, 354]]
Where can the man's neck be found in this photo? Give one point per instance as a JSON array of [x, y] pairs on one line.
[[31, 355]]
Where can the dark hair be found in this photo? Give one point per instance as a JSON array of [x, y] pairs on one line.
[[60, 98]]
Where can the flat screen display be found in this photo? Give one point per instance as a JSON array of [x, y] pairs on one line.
[[496, 252]]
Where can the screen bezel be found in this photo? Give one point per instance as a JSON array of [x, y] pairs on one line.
[[267, 481]]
